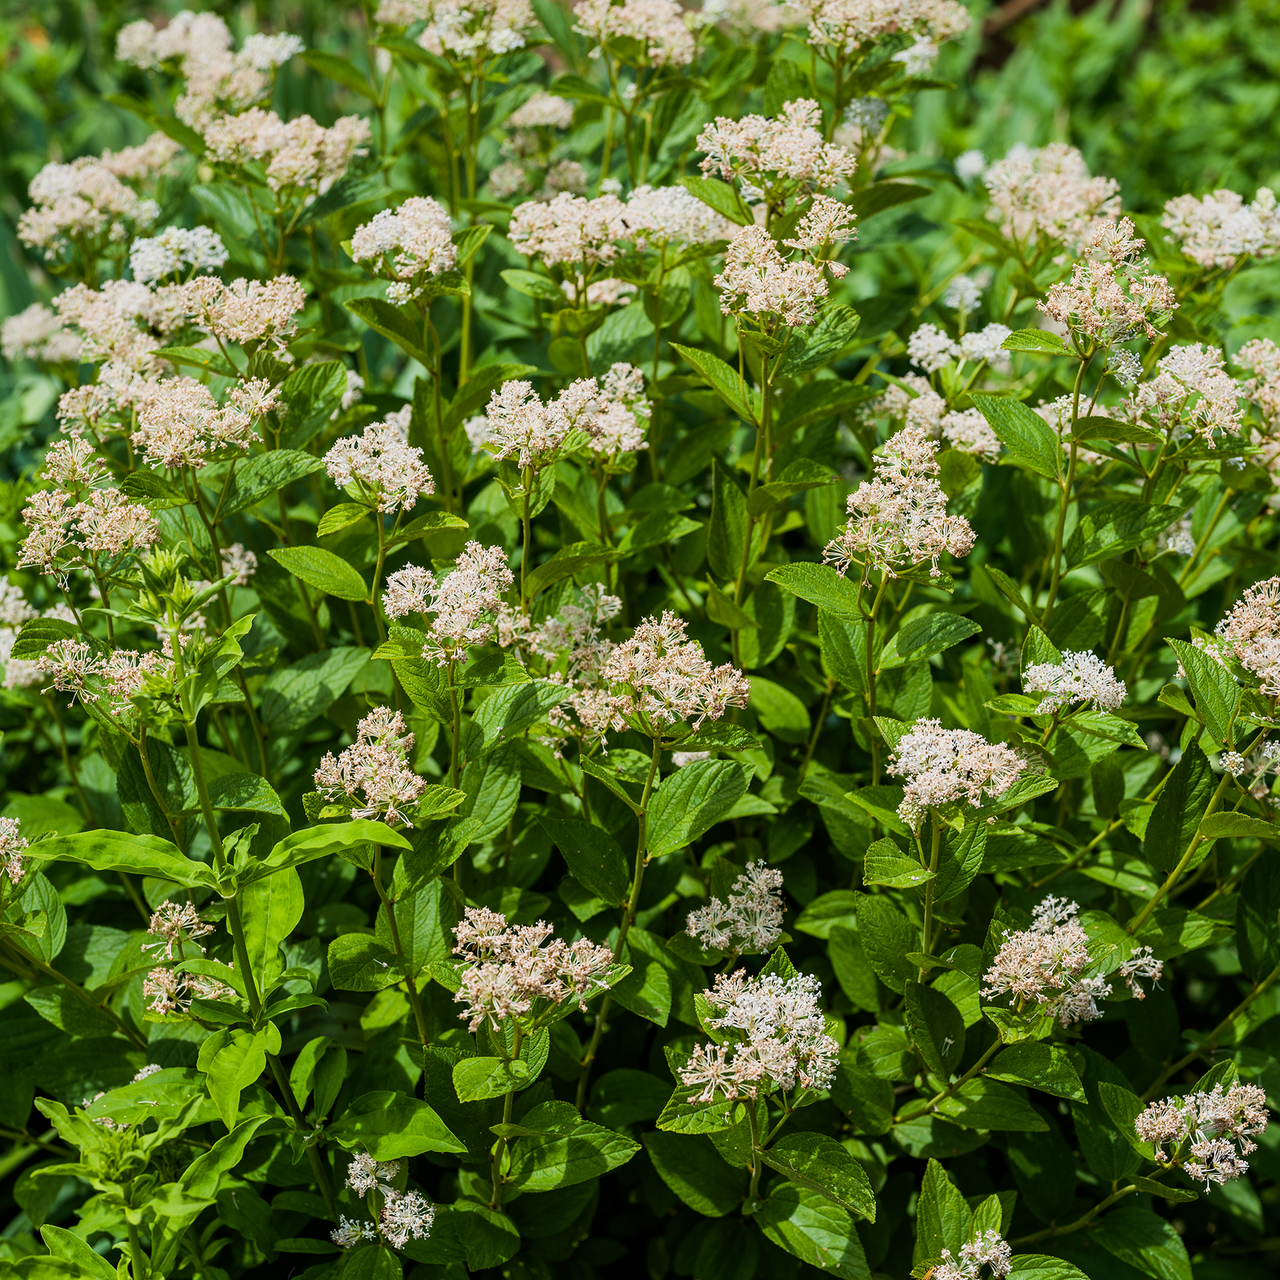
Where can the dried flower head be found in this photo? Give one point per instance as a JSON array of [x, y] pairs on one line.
[[1078, 677], [374, 774], [750, 921], [898, 519], [949, 766], [513, 970], [774, 1037]]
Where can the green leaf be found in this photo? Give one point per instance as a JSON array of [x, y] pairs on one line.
[[488, 1236], [722, 379], [38, 634], [988, 1104], [1096, 428], [1257, 926], [823, 341], [1039, 1066], [1124, 1107], [392, 1126], [1040, 1266], [87, 1262], [320, 842], [820, 584], [886, 937], [727, 531], [1028, 437], [271, 908], [477, 1078], [594, 857], [943, 1218], [340, 70], [569, 561], [1145, 1241], [1035, 340], [533, 285], [567, 1151], [340, 517], [232, 1059], [820, 1163], [1178, 811], [358, 962], [512, 710], [923, 637], [119, 851], [264, 476], [1214, 688], [207, 361], [691, 1166], [322, 569], [886, 195], [721, 197], [647, 989], [690, 801], [400, 325], [936, 1027], [814, 1229], [886, 864], [298, 694], [1116, 528]]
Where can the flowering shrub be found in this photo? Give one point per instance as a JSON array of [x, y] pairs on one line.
[[620, 656]]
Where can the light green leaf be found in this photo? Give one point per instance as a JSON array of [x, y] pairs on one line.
[[323, 570]]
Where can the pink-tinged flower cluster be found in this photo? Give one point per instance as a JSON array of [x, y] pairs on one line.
[[1251, 633], [658, 216], [172, 925], [511, 968], [299, 157], [466, 602], [245, 310], [1207, 1134], [374, 774], [36, 333], [181, 423], [13, 863], [1043, 967], [781, 155], [61, 532], [608, 417], [380, 468], [758, 281], [657, 25], [407, 245], [169, 991], [657, 678], [1219, 230], [124, 673], [949, 766], [400, 1216], [898, 519], [749, 921], [850, 26], [1078, 677], [1111, 296], [989, 1249], [543, 111], [570, 231], [216, 78], [1048, 195], [467, 31], [122, 324], [774, 1038], [963, 429], [85, 204], [826, 221], [1189, 392], [1261, 357]]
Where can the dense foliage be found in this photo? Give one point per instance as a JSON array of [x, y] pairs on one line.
[[639, 641]]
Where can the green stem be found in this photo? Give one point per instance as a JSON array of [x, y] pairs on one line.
[[1056, 575], [388, 906], [137, 1259], [1079, 1224], [935, 847], [526, 522], [757, 1164], [500, 1147], [939, 1098], [873, 732], [624, 927]]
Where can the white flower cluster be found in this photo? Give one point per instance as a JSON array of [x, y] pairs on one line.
[[1078, 677], [467, 602], [899, 519], [781, 155], [949, 766], [380, 468], [301, 158], [1111, 296], [543, 111], [468, 31], [155, 257], [400, 1216], [168, 991], [217, 78], [1047, 194], [570, 231], [930, 349], [36, 333], [750, 921], [173, 924], [1190, 390], [990, 1249], [775, 1038], [408, 243], [1218, 1127], [1250, 632], [1219, 229], [852, 26], [13, 864], [658, 216], [758, 281], [1044, 967], [754, 17], [511, 967], [374, 773], [657, 25], [181, 423]]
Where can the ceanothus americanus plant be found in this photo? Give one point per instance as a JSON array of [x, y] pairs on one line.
[[605, 673]]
